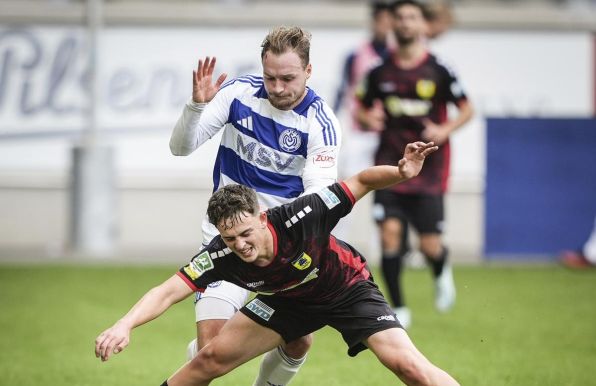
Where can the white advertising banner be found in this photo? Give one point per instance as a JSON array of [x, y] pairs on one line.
[[145, 78]]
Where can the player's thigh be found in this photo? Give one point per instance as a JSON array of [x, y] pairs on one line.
[[242, 339], [394, 348]]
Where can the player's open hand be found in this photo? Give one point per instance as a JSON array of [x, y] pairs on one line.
[[203, 89], [112, 341], [413, 159]]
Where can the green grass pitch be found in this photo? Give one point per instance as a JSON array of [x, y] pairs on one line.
[[530, 325]]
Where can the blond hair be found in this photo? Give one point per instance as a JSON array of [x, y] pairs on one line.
[[281, 39]]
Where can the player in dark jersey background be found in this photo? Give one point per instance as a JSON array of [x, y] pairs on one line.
[[304, 277], [406, 98]]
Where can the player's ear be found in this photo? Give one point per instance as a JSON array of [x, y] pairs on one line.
[[263, 219], [308, 70]]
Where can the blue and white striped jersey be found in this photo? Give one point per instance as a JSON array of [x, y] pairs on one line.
[[279, 153]]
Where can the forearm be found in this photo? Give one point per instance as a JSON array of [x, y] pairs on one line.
[[374, 178], [464, 115], [379, 177], [184, 139], [155, 302]]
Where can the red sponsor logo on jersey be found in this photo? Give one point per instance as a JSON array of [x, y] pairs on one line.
[[324, 160]]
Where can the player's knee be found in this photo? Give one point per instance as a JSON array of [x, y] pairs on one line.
[[207, 330], [411, 368], [298, 348], [209, 364], [431, 246]]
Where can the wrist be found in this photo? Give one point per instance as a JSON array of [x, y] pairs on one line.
[[196, 106], [125, 323]]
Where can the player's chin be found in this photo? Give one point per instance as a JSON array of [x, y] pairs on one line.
[[282, 103]]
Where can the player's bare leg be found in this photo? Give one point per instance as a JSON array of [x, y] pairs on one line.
[[396, 351], [223, 353], [278, 366]]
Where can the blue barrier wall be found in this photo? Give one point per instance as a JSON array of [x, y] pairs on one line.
[[540, 186]]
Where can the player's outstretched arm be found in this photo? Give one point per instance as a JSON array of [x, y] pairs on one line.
[[203, 89], [154, 303], [379, 177], [185, 136]]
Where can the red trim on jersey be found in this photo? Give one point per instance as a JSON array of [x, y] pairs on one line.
[[274, 234], [190, 283], [347, 257], [348, 192]]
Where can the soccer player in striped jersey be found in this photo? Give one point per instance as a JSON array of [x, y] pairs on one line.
[[279, 138]]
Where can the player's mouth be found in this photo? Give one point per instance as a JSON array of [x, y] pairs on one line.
[[246, 252]]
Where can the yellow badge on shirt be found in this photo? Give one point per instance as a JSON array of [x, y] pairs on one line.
[[303, 262], [426, 88], [198, 265]]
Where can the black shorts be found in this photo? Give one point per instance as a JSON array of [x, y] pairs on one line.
[[357, 314], [424, 212]]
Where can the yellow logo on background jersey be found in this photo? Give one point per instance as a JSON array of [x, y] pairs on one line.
[[303, 262], [426, 88]]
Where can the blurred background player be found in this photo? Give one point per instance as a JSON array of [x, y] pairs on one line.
[[406, 100], [281, 139], [360, 144]]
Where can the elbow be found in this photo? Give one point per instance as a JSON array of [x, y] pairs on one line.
[[179, 150]]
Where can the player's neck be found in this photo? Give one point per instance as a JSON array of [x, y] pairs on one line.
[[410, 55], [267, 253], [299, 100]]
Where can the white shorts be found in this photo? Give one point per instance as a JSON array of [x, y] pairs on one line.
[[221, 299]]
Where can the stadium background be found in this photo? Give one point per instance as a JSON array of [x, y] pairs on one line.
[[524, 60]]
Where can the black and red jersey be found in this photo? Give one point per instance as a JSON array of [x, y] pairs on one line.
[[410, 96], [309, 264]]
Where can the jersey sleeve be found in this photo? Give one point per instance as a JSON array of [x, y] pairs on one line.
[[453, 88], [318, 213], [201, 121], [199, 272], [324, 142]]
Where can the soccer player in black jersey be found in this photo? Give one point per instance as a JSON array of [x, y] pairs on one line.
[[304, 277], [406, 99]]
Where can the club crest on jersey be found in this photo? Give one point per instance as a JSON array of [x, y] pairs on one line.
[[426, 88], [290, 140], [303, 262]]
